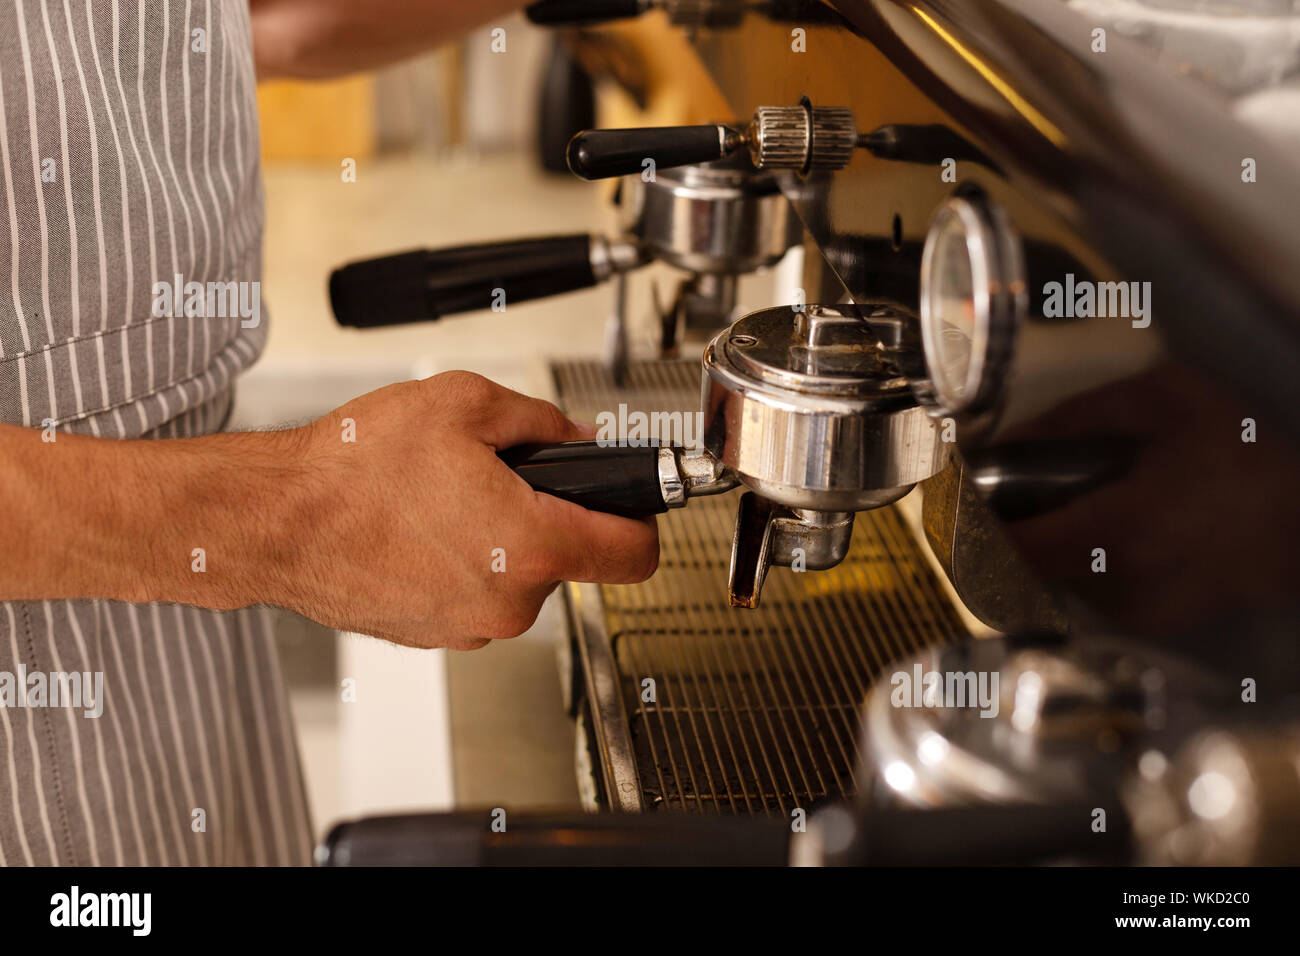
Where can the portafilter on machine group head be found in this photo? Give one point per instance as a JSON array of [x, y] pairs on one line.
[[802, 406], [704, 199]]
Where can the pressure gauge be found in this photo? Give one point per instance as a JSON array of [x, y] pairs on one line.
[[972, 295]]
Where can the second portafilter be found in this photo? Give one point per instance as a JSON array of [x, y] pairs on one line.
[[704, 199], [800, 405]]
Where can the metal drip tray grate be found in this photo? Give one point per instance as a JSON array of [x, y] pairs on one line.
[[753, 711]]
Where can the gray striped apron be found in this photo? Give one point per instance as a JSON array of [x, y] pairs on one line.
[[128, 156]]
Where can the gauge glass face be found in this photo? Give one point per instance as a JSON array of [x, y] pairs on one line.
[[952, 300]]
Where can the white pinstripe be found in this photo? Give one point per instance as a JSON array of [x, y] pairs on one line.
[[184, 638], [171, 164], [297, 796], [40, 209], [160, 838], [78, 764], [264, 747], [65, 174], [178, 831], [74, 716], [100, 243], [11, 207], [103, 619], [238, 94], [165, 409], [42, 806], [224, 819], [148, 204], [13, 768], [124, 179], [194, 188], [221, 151], [173, 715], [246, 770], [13, 790], [167, 201], [207, 161]]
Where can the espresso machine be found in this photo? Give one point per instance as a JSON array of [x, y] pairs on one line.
[[1090, 613]]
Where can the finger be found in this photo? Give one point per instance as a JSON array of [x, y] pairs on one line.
[[590, 546], [588, 430], [506, 418], [468, 643]]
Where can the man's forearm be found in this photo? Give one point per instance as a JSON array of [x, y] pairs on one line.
[[316, 39], [392, 516], [193, 521]]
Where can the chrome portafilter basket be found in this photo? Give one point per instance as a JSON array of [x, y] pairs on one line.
[[713, 221], [806, 411], [802, 407]]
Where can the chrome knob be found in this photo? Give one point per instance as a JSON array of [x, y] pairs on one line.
[[802, 137]]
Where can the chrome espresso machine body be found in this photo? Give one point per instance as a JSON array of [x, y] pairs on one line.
[[1043, 290]]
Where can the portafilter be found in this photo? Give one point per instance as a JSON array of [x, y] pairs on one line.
[[705, 199], [802, 406]]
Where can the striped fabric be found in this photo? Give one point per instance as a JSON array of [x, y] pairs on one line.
[[129, 156]]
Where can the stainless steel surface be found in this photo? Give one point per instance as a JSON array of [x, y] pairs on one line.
[[614, 256], [683, 476], [671, 482], [705, 303], [616, 334], [714, 218], [1229, 797], [1238, 46], [968, 343], [608, 717], [753, 712], [1006, 721], [768, 534], [991, 577], [814, 418]]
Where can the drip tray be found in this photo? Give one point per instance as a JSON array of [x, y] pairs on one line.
[[696, 706]]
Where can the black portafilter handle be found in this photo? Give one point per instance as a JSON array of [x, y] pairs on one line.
[[618, 480], [603, 153], [986, 835], [466, 838], [573, 13], [426, 284]]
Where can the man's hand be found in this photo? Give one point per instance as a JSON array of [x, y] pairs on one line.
[[391, 516], [416, 531]]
